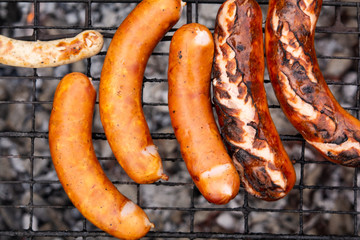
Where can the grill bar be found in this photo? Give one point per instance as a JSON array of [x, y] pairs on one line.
[[176, 235]]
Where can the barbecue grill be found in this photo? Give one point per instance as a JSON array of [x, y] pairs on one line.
[[324, 203]]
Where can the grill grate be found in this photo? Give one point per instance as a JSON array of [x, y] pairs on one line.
[[30, 193]]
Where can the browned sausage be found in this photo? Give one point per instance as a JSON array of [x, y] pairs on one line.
[[121, 84], [299, 84], [77, 167], [54, 53], [240, 99], [206, 158]]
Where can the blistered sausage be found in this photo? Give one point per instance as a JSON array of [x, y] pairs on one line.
[[299, 84], [240, 100]]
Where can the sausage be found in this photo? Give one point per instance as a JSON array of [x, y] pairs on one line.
[[210, 166], [77, 167], [299, 85], [240, 100], [121, 82], [40, 54]]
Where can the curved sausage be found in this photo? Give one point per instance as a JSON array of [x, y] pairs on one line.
[[299, 84], [40, 54], [240, 100], [206, 158], [77, 167], [121, 83]]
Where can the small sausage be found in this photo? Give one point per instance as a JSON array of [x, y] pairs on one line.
[[40, 54], [299, 84], [77, 167], [190, 60], [240, 100], [121, 82]]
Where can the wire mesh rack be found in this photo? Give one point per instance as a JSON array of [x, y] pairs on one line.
[[324, 203]]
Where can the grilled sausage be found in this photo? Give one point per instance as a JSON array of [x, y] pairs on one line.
[[121, 83], [240, 100], [299, 84], [77, 167], [206, 158], [42, 54]]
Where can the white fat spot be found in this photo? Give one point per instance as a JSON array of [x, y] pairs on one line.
[[182, 5], [147, 222], [248, 12], [216, 171], [150, 150], [92, 34], [88, 42], [277, 177], [224, 15], [275, 21], [127, 209], [227, 190], [202, 37], [61, 48]]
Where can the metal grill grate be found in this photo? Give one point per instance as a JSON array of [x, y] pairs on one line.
[[322, 205]]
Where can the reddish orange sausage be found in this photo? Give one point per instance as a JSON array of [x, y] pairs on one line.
[[206, 158], [77, 167], [299, 84], [121, 84], [240, 100]]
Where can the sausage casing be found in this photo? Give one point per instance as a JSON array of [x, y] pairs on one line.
[[240, 100], [120, 87], [40, 54], [299, 84], [77, 167], [206, 158]]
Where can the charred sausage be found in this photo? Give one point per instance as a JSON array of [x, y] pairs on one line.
[[190, 60], [121, 83], [77, 167], [299, 84], [40, 54], [240, 100]]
